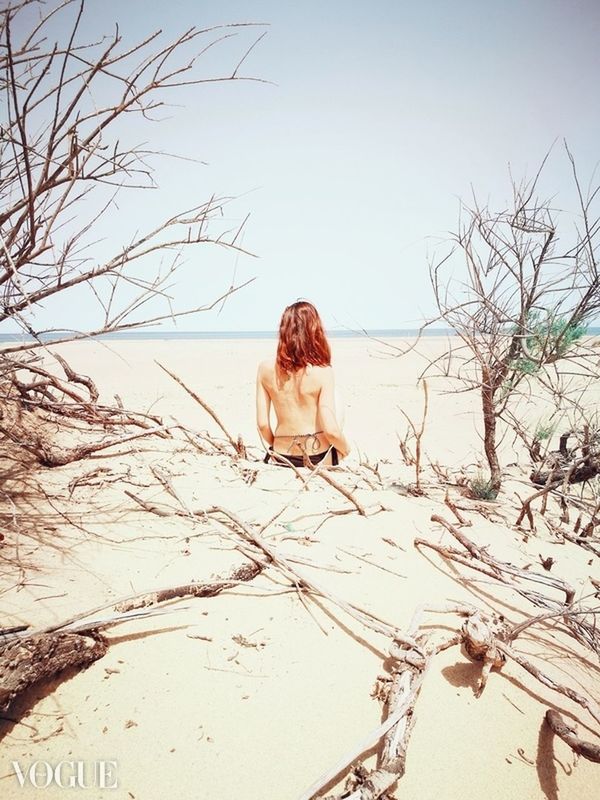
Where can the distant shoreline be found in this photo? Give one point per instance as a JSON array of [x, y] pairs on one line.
[[406, 333], [146, 336]]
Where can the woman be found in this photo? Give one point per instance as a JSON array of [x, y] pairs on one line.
[[300, 386]]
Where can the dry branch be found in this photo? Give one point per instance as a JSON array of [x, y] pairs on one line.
[[483, 637], [80, 92], [299, 578], [503, 567], [246, 572], [238, 445], [585, 702], [569, 735], [418, 436], [76, 378], [454, 508], [343, 491], [572, 616], [382, 782], [303, 579], [28, 659]]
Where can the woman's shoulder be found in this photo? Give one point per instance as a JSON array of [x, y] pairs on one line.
[[319, 373], [266, 368]]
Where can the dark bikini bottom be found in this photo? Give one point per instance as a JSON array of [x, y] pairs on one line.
[[298, 461]]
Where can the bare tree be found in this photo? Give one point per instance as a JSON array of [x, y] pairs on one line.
[[521, 311], [64, 156], [62, 161]]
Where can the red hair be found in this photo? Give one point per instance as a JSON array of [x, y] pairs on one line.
[[302, 340]]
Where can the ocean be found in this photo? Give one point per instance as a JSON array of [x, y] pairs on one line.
[[147, 335]]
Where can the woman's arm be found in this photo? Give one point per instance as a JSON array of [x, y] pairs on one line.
[[263, 409], [328, 417]]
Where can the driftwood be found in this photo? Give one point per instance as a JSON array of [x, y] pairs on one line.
[[409, 668], [480, 634], [245, 573], [74, 377], [585, 702], [253, 537], [578, 475], [526, 511], [569, 735], [50, 455], [28, 659], [577, 464], [484, 639], [501, 569], [410, 664], [60, 397], [455, 510], [38, 658], [30, 414], [300, 577], [47, 385], [478, 559]]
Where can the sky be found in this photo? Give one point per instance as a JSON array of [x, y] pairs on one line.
[[350, 160]]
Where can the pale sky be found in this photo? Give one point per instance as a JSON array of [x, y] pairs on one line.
[[381, 115]]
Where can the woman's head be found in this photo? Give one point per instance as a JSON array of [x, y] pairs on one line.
[[302, 339]]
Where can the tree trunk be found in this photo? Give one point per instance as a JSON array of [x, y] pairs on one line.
[[35, 659], [489, 433]]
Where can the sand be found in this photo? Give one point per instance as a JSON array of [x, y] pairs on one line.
[[251, 693]]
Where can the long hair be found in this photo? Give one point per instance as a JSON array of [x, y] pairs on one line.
[[302, 340]]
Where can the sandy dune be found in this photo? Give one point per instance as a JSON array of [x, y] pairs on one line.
[[253, 693]]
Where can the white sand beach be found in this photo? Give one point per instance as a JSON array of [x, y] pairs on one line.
[[258, 691]]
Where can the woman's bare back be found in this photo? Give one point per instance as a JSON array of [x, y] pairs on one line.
[[295, 399]]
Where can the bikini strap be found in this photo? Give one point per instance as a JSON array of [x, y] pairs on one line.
[[301, 440]]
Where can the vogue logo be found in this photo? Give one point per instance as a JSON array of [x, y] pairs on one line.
[[68, 774]]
